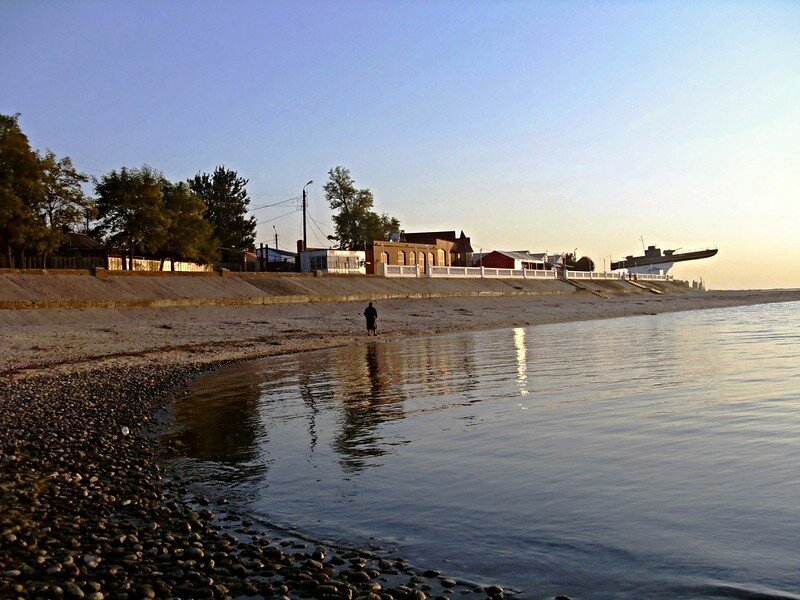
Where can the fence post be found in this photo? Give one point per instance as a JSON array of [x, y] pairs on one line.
[[482, 271]]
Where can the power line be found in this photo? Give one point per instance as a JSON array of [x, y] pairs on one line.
[[294, 210], [318, 224], [314, 223], [294, 198]]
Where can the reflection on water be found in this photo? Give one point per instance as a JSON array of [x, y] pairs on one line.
[[638, 457], [522, 360]]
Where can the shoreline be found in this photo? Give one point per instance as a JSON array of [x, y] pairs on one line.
[[91, 510], [39, 341]]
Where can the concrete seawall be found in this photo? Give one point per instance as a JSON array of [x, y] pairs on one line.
[[79, 289]]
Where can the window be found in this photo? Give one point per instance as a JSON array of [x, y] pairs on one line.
[[440, 257], [430, 259], [384, 258], [412, 258], [319, 263], [401, 258]]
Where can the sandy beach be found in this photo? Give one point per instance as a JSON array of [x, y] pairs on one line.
[[87, 509], [41, 340]]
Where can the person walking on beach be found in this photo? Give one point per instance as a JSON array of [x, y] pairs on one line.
[[371, 314]]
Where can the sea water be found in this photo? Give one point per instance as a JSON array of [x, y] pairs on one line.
[[639, 457]]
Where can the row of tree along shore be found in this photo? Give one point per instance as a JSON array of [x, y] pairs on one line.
[[139, 212]]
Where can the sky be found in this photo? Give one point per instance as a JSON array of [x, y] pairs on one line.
[[541, 126]]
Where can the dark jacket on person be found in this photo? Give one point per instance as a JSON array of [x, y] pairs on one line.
[[371, 313]]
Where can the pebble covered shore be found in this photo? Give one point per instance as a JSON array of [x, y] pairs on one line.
[[87, 511]]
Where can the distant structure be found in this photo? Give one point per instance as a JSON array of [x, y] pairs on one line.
[[330, 260], [458, 247], [273, 259], [656, 262], [409, 254], [511, 259]]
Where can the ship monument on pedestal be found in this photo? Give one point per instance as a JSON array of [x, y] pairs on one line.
[[656, 262]]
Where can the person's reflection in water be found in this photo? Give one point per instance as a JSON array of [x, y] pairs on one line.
[[367, 403], [310, 400]]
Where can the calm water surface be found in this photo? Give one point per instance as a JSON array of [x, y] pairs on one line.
[[654, 456]]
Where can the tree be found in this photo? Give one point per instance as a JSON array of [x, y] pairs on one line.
[[226, 202], [64, 202], [584, 263], [130, 209], [188, 235], [357, 225], [21, 191]]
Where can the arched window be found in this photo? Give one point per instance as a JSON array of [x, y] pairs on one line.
[[440, 257], [412, 258], [430, 259], [422, 258], [384, 258], [401, 258]]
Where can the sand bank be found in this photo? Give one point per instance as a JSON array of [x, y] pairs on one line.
[[39, 340]]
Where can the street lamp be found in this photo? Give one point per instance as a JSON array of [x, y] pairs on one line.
[[305, 245]]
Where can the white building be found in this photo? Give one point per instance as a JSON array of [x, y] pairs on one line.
[[347, 262]]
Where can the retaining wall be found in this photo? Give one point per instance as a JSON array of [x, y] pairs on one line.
[[119, 289]]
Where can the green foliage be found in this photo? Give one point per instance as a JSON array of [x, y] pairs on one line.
[[64, 204], [226, 203], [189, 236], [21, 192], [40, 196], [129, 204], [584, 263], [357, 225]]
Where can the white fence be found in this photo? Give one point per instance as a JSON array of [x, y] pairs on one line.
[[490, 273]]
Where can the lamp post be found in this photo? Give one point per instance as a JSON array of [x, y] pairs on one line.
[[305, 245]]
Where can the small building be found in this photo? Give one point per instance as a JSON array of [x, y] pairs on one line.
[[273, 259], [458, 247], [407, 254], [512, 259], [82, 245], [328, 260], [275, 255], [556, 261]]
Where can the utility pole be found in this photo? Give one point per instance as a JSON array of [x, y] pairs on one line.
[[305, 244]]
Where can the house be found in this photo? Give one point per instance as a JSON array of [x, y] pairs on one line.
[[458, 247], [556, 261], [407, 254], [275, 255], [516, 259], [273, 259], [328, 260], [82, 244]]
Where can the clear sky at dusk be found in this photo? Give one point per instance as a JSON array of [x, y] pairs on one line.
[[530, 125]]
